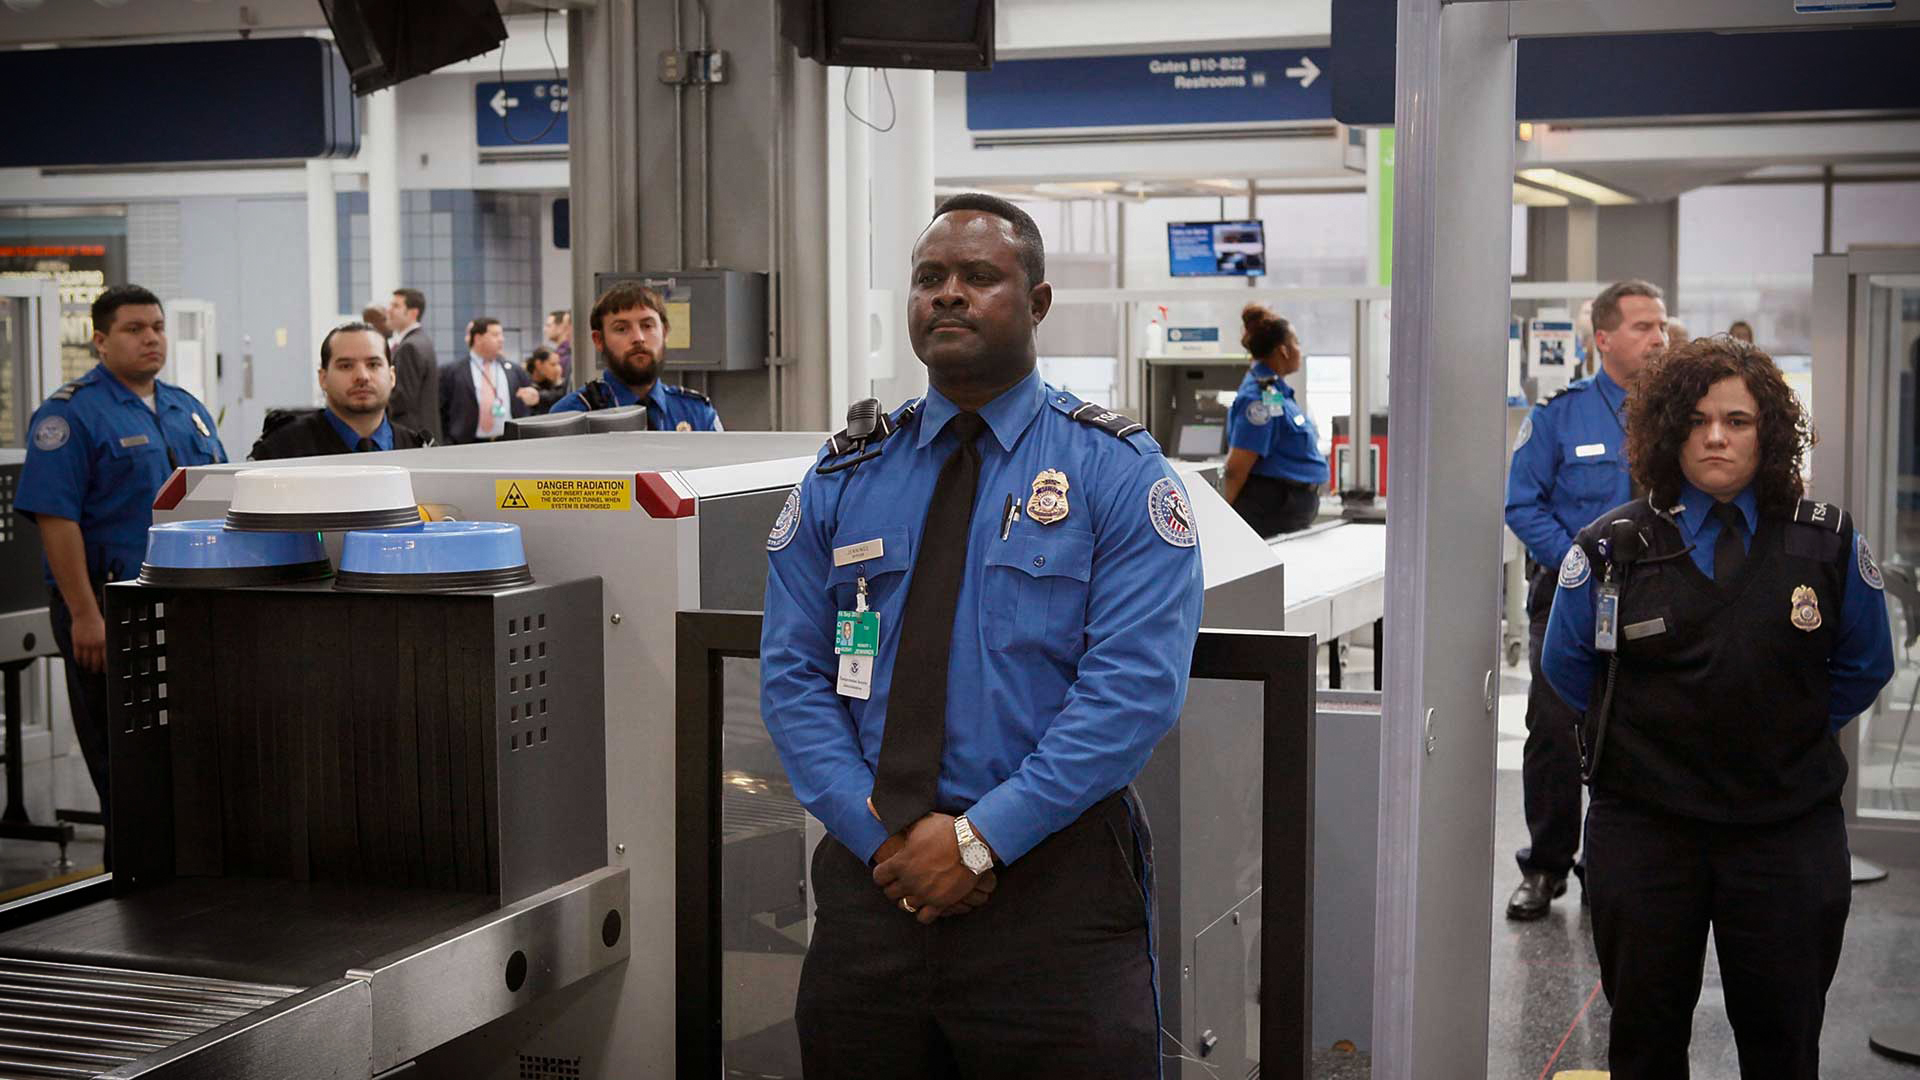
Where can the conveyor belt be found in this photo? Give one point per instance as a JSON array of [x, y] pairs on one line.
[[77, 1020], [247, 929]]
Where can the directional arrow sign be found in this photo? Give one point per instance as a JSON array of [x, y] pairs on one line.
[[501, 102], [520, 113], [1223, 86], [1306, 72]]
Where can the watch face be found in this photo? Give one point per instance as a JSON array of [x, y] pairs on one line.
[[976, 858]]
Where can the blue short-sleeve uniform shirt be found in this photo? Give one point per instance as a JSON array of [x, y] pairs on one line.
[[1073, 633], [1268, 420], [96, 454], [669, 408]]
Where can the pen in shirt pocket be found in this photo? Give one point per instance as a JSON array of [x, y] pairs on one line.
[[1009, 515]]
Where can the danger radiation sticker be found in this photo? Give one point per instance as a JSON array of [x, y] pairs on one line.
[[564, 493]]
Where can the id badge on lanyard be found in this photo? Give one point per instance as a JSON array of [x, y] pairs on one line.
[[856, 640], [1606, 615]]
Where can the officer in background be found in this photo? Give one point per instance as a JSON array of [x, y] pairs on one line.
[[980, 613], [100, 449], [630, 327], [1275, 471], [1718, 634], [356, 378], [1569, 465]]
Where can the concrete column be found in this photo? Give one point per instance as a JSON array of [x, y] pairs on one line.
[[849, 242], [1452, 222], [323, 253], [902, 204], [383, 191]]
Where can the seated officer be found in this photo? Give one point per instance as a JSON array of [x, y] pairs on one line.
[[1275, 470], [1717, 634], [357, 379], [979, 621], [100, 449], [630, 327]]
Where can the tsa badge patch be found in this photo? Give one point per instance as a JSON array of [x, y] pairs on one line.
[[1526, 432], [787, 523], [1869, 570], [1258, 413], [1806, 608], [1574, 569], [1048, 503], [1172, 517], [51, 433]]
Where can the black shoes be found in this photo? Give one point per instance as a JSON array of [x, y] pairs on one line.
[[1536, 893]]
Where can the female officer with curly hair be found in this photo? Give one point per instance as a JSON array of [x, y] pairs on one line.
[[1717, 635]]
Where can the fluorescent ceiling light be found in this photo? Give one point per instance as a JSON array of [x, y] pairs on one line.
[[1523, 195], [1577, 186], [1231, 187]]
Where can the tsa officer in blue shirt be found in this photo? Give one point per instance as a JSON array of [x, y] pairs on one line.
[[99, 450], [1569, 466], [980, 613], [1275, 470], [630, 329], [1717, 635]]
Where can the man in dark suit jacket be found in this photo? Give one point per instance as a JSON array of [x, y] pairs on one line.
[[480, 393], [356, 375], [416, 388]]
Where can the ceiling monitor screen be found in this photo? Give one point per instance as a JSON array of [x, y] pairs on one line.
[[1217, 248]]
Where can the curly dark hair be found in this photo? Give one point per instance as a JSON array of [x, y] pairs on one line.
[[1660, 417]]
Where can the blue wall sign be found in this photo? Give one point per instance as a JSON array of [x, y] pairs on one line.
[[520, 112], [1155, 89]]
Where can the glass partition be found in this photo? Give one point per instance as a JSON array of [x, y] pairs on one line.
[[1887, 763]]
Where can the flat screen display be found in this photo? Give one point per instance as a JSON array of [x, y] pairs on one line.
[[1217, 248]]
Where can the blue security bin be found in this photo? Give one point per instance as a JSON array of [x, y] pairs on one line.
[[206, 554], [438, 556]]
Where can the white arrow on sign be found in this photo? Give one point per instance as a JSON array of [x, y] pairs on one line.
[[1306, 72], [501, 102]]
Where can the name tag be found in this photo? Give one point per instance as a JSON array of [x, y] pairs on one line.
[[861, 552], [134, 440], [1592, 449], [1649, 628]]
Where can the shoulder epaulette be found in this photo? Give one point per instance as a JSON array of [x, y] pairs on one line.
[[1823, 516], [1115, 424], [684, 391], [65, 393]]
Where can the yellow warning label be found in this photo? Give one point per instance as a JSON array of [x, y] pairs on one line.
[[564, 493]]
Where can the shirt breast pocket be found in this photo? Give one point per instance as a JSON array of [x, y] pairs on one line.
[[134, 458], [1036, 591], [1596, 478], [884, 572]]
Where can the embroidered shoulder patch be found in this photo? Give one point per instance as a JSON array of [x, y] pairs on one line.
[[51, 433], [787, 523], [1258, 413], [1170, 513], [1869, 570], [1526, 432], [1574, 569]]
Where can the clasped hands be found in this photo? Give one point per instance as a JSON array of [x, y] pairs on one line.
[[922, 866]]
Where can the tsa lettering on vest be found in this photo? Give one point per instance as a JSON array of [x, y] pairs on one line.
[[1806, 608], [1869, 570], [1574, 569]]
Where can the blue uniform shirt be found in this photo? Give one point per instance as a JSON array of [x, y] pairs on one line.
[[97, 455], [1862, 659], [1569, 466], [1286, 439], [1071, 641], [669, 408], [382, 436]]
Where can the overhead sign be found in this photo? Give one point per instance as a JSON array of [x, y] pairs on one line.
[[520, 112], [1832, 7], [1250, 86]]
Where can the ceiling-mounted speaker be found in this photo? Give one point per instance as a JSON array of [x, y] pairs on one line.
[[386, 42]]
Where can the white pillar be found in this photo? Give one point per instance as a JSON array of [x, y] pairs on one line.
[[383, 191], [902, 203], [323, 252], [849, 240]]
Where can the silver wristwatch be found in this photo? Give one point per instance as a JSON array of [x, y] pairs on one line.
[[973, 852]]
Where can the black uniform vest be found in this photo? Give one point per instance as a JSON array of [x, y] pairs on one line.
[[1720, 706]]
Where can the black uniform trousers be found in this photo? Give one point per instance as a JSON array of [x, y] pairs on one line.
[[1550, 760], [1273, 506], [1775, 897], [1053, 978], [86, 699]]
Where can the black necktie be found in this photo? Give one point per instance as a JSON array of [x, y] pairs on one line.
[[365, 444], [1729, 554], [916, 731]]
